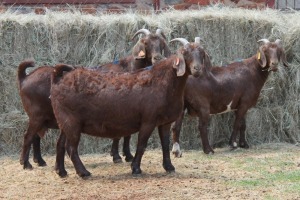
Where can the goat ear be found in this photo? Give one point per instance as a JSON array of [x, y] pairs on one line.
[[283, 58], [261, 58], [179, 65], [139, 50]]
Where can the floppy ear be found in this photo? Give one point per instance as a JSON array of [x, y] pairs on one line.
[[283, 58], [261, 58], [139, 50], [179, 65]]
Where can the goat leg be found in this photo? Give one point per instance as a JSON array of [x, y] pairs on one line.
[[126, 149], [115, 151], [144, 134], [202, 127], [37, 157], [176, 127], [243, 143], [60, 155], [28, 137], [164, 134], [73, 148]]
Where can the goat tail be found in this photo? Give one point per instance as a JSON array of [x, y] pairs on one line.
[[59, 70], [22, 69]]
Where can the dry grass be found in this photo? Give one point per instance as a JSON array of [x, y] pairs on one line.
[[228, 33], [263, 172]]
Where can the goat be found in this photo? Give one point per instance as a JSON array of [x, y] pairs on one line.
[[116, 105], [235, 87], [34, 90]]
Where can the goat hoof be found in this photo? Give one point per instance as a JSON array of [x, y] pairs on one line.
[[169, 168], [84, 174], [62, 173], [129, 158], [177, 154], [209, 152], [244, 145], [136, 171], [27, 165], [117, 160], [40, 162]]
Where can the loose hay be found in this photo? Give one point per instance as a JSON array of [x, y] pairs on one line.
[[229, 34]]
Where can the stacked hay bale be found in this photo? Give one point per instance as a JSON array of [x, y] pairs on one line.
[[228, 34]]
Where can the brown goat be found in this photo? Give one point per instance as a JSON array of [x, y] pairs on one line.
[[235, 87], [116, 105], [34, 90]]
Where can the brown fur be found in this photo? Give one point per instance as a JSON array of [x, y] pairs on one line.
[[130, 102], [34, 91], [239, 83]]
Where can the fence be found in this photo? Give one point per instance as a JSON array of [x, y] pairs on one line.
[[288, 4], [93, 6]]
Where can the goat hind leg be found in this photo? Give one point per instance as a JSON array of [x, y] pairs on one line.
[[60, 155], [73, 148], [37, 156], [28, 138]]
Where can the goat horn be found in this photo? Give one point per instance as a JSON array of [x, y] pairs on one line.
[[265, 41], [182, 40], [197, 40], [278, 42], [143, 30], [158, 31], [161, 33]]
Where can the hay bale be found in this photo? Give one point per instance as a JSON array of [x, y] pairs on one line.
[[228, 34]]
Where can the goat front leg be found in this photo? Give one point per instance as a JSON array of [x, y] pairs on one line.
[[202, 127], [126, 149], [143, 136], [60, 155], [243, 143], [164, 135], [37, 156], [238, 124], [176, 127], [115, 151]]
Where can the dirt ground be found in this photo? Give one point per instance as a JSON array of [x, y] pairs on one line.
[[270, 171]]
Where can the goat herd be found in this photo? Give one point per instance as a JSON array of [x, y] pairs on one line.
[[150, 88]]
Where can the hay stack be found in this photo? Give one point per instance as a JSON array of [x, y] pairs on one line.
[[229, 34]]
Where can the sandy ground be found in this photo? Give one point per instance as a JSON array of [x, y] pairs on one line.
[[269, 171]]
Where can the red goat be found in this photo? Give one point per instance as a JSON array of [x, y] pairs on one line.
[[34, 90], [116, 105], [235, 87]]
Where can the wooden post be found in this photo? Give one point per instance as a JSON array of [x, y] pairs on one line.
[[156, 5], [270, 3]]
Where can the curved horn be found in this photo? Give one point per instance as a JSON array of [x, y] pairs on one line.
[[143, 30], [278, 42], [182, 40], [160, 32], [265, 41], [197, 40]]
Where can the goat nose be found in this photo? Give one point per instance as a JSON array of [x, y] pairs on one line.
[[157, 57], [274, 63]]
